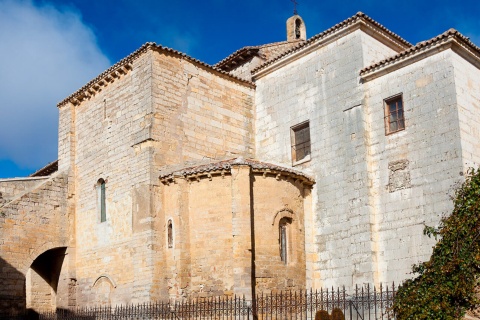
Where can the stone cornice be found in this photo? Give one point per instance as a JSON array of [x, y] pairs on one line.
[[125, 65], [451, 39], [358, 21], [222, 168]]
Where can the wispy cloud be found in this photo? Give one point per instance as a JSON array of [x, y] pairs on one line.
[[46, 54]]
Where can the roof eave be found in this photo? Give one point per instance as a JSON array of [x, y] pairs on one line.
[[315, 42], [125, 65], [453, 41]]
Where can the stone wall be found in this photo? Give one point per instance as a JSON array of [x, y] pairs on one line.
[[198, 114], [165, 110], [374, 192], [273, 200], [215, 251], [322, 87], [12, 188], [467, 86], [413, 172], [31, 224], [109, 129]]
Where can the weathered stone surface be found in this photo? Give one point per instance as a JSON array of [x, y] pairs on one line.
[[190, 214]]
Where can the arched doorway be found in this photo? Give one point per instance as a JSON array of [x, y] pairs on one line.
[[42, 280]]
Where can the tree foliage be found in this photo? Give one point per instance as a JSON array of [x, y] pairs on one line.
[[445, 285]]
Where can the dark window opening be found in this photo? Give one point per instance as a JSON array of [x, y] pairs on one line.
[[300, 142], [394, 116], [101, 200], [298, 33], [283, 238], [170, 234]]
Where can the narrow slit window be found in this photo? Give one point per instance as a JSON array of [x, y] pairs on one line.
[[394, 116], [101, 200], [283, 239], [170, 234]]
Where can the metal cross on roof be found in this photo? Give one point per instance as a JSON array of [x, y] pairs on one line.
[[295, 3]]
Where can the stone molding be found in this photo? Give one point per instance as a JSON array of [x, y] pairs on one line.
[[223, 168], [282, 213], [125, 65], [451, 39], [107, 277], [358, 21]]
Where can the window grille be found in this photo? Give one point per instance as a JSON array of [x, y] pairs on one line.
[[301, 142], [394, 117]]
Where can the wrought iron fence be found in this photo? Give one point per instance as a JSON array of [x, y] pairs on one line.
[[364, 303], [361, 304]]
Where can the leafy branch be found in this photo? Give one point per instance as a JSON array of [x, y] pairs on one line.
[[445, 285]]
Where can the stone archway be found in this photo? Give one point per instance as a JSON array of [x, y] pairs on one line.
[[42, 281]]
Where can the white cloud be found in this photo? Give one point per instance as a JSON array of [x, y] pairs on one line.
[[45, 55]]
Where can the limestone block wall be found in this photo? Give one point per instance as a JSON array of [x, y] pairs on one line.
[[467, 83], [211, 240], [274, 201], [244, 71], [11, 188], [198, 114], [110, 131], [31, 224], [165, 110], [412, 173], [323, 87], [205, 255], [225, 233]]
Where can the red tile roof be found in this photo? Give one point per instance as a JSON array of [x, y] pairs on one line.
[[265, 51], [50, 168], [227, 164], [360, 16], [449, 34], [125, 65]]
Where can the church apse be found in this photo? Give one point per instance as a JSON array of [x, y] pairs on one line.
[[237, 228]]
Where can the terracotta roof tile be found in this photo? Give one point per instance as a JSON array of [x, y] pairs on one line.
[[357, 17], [47, 170], [227, 164], [451, 33], [265, 51], [127, 61]]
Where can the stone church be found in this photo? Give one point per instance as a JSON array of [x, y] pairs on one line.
[[307, 163]]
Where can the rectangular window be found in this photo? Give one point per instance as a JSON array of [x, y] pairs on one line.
[[394, 118], [300, 137]]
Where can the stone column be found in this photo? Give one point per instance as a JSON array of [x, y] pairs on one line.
[[183, 236], [242, 231]]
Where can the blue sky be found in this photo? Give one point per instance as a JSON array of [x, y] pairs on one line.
[[50, 48]]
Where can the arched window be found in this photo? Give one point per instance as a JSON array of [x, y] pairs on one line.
[[170, 233], [298, 33], [101, 200], [283, 227]]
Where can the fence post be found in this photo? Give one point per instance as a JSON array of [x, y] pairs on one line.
[[351, 313]]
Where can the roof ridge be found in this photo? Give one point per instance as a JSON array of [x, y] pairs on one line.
[[420, 45], [340, 25], [256, 47], [125, 63]]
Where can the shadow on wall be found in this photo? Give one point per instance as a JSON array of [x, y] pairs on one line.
[[42, 280], [34, 292], [12, 290]]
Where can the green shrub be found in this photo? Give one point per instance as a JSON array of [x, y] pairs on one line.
[[445, 285]]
